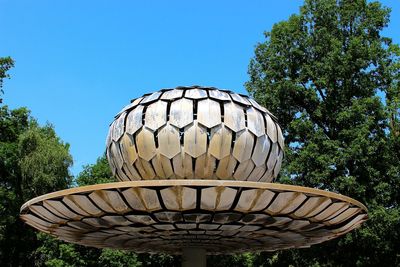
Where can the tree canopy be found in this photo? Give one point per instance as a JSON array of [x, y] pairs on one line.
[[33, 161], [6, 63], [332, 79]]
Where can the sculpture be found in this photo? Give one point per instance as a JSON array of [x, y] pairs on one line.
[[194, 163]]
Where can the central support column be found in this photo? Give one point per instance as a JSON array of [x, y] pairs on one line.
[[194, 257]]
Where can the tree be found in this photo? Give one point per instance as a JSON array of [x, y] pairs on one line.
[[332, 80], [97, 173], [6, 63], [33, 161]]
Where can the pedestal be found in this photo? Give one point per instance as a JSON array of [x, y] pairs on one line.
[[194, 257]]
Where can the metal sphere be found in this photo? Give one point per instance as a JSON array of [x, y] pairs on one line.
[[195, 133]]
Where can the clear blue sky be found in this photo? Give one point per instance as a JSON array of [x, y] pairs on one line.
[[79, 62]]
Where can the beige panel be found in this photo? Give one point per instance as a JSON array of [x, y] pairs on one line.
[[134, 120], [162, 167], [195, 94], [220, 198], [280, 137], [119, 127], [312, 206], [234, 116], [219, 95], [296, 225], [128, 149], [81, 205], [255, 122], [278, 164], [109, 201], [181, 112], [179, 198], [240, 99], [45, 214], [220, 142], [142, 199], [116, 220], [156, 115], [273, 156], [173, 94], [243, 146], [195, 142], [243, 170], [204, 166], [254, 200], [142, 219], [152, 97], [116, 155], [59, 209], [145, 144], [261, 150], [343, 216], [178, 165], [330, 210], [133, 199], [271, 129], [97, 222], [188, 166], [145, 169], [37, 222], [208, 113], [339, 211], [286, 202], [131, 172], [226, 167], [121, 175], [256, 105], [257, 173], [351, 224], [168, 141]]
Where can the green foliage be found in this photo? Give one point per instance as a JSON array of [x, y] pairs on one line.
[[6, 63], [332, 80], [33, 161], [118, 258], [97, 173], [56, 253], [238, 260]]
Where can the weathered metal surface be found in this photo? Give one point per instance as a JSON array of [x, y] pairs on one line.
[[227, 135], [219, 216]]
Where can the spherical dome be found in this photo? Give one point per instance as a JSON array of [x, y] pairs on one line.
[[195, 133]]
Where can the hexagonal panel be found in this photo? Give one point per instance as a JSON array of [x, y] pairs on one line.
[[208, 113], [156, 115], [134, 120], [169, 141], [195, 140], [145, 144], [181, 112]]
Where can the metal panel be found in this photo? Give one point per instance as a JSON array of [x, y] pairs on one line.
[[234, 117], [195, 142], [134, 120], [255, 122], [220, 142], [181, 113], [208, 113], [156, 115]]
